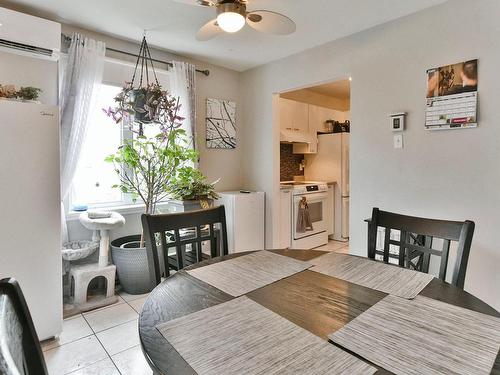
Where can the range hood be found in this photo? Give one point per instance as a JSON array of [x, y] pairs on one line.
[[296, 137]]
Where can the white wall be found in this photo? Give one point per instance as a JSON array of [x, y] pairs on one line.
[[448, 174], [221, 83]]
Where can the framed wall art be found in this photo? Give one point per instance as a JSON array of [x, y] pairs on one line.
[[221, 124]]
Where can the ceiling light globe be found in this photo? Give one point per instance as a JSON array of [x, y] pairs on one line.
[[230, 22]]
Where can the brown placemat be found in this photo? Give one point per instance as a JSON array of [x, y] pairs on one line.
[[241, 337], [390, 279], [423, 336], [243, 274]]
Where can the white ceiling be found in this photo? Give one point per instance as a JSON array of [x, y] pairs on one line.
[[337, 89], [173, 25]]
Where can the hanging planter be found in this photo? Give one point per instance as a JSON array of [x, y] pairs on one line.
[[145, 164], [142, 100]]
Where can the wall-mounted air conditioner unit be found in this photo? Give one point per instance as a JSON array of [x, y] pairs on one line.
[[28, 35]]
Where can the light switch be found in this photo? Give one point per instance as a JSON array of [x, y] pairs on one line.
[[398, 141]]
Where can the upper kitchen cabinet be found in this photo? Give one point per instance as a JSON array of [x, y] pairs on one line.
[[294, 117], [318, 116]]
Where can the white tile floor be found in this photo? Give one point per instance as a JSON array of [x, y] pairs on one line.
[[106, 341], [336, 246]]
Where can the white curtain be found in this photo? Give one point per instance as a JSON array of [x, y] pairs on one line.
[[81, 76], [184, 87]]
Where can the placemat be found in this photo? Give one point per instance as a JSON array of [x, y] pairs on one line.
[[390, 279], [423, 336], [241, 275], [241, 337]]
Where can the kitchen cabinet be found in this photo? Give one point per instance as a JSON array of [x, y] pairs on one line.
[[310, 147], [285, 234], [318, 116], [294, 117]]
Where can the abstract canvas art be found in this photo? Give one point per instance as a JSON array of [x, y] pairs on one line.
[[221, 123]]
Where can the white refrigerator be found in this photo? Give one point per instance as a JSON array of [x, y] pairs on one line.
[[244, 220], [331, 164], [30, 221]]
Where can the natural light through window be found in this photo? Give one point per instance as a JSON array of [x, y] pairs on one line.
[[94, 177]]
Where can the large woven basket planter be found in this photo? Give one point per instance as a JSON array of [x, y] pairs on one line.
[[131, 264]]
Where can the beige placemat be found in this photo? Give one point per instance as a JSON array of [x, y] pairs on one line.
[[390, 279], [241, 337], [241, 275], [423, 336]]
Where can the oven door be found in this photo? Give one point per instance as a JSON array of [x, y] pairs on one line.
[[317, 211]]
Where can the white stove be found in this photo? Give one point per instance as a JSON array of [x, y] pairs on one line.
[[305, 187], [315, 194]]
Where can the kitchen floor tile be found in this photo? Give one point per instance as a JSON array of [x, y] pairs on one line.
[[104, 367], [132, 362], [74, 356], [137, 304], [110, 317], [336, 246], [131, 297], [74, 328], [120, 338]]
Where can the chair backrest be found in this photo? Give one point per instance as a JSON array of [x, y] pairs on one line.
[[415, 245], [184, 228], [20, 351]]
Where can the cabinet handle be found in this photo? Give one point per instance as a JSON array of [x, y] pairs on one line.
[[296, 129], [288, 128]]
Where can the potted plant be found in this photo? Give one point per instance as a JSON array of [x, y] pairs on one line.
[[7, 91], [28, 93], [190, 190], [146, 165]]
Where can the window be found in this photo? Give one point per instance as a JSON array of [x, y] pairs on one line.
[[94, 178]]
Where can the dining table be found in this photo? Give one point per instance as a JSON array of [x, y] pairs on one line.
[[316, 302]]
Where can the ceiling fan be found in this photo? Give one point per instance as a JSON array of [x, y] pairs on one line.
[[232, 16]]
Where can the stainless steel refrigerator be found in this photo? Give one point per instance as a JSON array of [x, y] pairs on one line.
[[331, 164]]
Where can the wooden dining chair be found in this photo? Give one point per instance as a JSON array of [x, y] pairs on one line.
[[177, 230], [20, 351], [415, 245]]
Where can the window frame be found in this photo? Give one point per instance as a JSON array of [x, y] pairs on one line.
[[126, 204]]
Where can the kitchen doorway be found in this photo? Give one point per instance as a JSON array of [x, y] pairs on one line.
[[314, 135]]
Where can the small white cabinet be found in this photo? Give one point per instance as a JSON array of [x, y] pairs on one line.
[[285, 238]]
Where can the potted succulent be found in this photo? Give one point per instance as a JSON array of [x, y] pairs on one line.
[[28, 93], [146, 165], [190, 190]]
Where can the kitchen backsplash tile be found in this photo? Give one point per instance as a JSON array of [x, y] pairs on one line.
[[289, 162]]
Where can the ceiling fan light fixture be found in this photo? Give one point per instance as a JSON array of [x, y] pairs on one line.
[[231, 17]]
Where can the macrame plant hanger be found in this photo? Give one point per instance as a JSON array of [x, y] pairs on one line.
[[143, 64], [145, 60]]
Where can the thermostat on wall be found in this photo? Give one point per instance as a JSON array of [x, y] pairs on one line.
[[398, 121]]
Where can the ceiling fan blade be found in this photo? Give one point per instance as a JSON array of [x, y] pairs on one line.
[[205, 3], [269, 22], [208, 31]]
